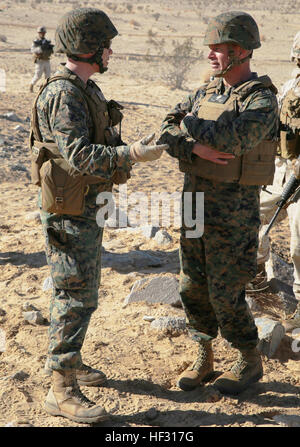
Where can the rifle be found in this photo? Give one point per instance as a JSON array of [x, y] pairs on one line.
[[289, 191]]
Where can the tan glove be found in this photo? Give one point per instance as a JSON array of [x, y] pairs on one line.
[[141, 152], [296, 168]]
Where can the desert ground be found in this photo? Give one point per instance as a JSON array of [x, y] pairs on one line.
[[141, 364]]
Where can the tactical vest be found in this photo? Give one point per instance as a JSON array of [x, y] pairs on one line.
[[64, 188], [290, 123], [104, 115], [253, 168]]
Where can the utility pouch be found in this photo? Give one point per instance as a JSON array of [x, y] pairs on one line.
[[120, 177], [112, 137], [63, 189], [37, 159], [114, 112], [288, 144]]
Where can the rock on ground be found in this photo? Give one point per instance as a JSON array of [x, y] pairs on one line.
[[157, 290]]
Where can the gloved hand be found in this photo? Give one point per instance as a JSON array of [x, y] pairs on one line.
[[141, 152], [296, 168]]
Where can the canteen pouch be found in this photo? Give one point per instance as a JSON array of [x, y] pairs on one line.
[[288, 143], [63, 188], [37, 159]]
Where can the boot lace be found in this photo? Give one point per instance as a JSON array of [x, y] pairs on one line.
[[75, 392], [85, 368], [201, 359], [239, 365]]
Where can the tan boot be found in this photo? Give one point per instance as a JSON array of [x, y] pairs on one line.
[[260, 282], [88, 376], [201, 370], [294, 322], [85, 375], [247, 369], [65, 399]]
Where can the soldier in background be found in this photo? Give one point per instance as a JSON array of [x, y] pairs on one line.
[[288, 151], [42, 50], [224, 136], [76, 154]]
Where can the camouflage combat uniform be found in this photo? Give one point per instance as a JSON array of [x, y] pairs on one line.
[[216, 267], [77, 153], [73, 243]]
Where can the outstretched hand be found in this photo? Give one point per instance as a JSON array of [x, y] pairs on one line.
[[207, 153], [141, 152]]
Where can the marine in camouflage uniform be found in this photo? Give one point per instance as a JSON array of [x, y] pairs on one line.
[[288, 151], [216, 266], [41, 49], [71, 126]]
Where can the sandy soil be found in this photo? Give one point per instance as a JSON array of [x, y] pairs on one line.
[[141, 364]]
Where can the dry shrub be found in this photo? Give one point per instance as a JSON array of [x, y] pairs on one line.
[[179, 62]]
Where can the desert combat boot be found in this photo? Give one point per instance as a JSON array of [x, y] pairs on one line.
[[247, 369], [294, 322], [88, 376], [65, 399], [201, 370], [85, 375]]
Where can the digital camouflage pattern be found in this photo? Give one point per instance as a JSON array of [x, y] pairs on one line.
[[233, 27], [216, 267], [82, 30], [73, 251], [73, 244], [64, 118], [257, 120]]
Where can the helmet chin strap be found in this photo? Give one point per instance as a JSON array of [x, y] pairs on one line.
[[233, 61], [96, 58]]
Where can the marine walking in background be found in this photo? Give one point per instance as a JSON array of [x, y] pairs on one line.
[[42, 50]]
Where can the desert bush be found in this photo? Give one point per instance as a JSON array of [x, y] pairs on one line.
[[3, 38], [155, 41], [179, 62]]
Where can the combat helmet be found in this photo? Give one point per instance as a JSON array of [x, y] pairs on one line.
[[41, 29], [295, 50], [235, 28], [83, 31]]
